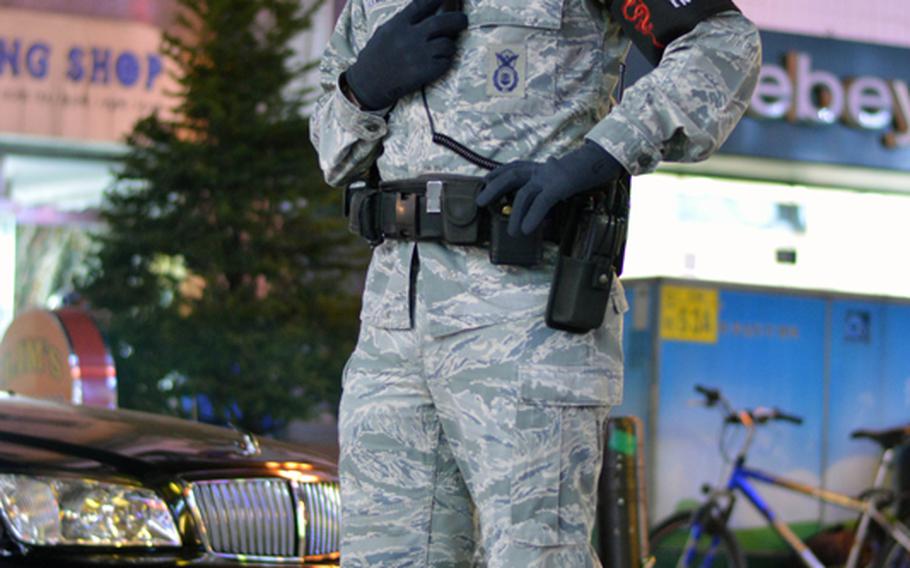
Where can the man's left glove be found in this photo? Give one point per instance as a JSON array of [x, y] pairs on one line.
[[540, 186]]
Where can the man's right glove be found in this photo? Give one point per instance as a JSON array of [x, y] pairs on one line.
[[414, 48], [538, 187]]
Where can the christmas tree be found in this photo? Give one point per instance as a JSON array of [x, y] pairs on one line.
[[225, 267]]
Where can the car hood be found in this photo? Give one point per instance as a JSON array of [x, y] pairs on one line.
[[38, 434]]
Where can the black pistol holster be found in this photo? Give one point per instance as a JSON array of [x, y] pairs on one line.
[[591, 254]]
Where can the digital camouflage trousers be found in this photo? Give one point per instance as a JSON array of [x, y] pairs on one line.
[[477, 448]]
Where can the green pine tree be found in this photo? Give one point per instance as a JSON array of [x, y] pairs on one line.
[[225, 267]]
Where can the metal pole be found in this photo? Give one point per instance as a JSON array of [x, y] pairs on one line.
[[622, 513]]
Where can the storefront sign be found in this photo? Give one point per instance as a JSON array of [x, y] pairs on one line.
[[58, 355], [75, 77], [802, 94], [34, 357], [828, 101]]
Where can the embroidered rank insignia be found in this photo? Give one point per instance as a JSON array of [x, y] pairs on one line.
[[506, 70]]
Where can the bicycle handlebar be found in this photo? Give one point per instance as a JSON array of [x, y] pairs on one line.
[[763, 415], [758, 415], [748, 418], [712, 396], [789, 418]]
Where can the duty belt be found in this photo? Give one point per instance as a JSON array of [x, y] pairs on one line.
[[591, 246], [442, 208]]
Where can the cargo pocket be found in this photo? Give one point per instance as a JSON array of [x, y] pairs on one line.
[[558, 446]]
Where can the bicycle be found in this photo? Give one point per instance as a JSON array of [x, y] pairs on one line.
[[710, 542]]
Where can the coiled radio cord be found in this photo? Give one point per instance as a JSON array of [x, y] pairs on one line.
[[454, 145]]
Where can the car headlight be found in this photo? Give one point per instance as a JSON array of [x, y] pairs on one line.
[[50, 511]]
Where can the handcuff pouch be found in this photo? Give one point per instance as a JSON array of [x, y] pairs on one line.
[[460, 215]]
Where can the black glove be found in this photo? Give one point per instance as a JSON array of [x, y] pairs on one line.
[[541, 186], [411, 50]]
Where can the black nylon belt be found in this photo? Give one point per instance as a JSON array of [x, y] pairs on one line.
[[589, 228], [653, 24], [420, 199], [413, 210]]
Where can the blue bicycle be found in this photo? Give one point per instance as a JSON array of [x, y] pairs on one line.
[[702, 537]]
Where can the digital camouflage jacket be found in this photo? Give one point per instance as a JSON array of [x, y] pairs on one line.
[[532, 79]]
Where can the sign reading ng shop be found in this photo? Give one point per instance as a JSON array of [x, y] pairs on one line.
[[78, 78], [96, 65]]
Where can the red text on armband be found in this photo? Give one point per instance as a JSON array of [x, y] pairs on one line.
[[640, 16]]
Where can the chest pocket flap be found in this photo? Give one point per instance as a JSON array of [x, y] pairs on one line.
[[543, 14]]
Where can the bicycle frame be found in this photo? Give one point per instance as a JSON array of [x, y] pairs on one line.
[[739, 481]]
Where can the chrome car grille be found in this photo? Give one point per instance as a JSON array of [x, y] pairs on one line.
[[253, 517], [322, 509], [259, 517]]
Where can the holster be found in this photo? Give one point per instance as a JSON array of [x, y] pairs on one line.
[[591, 254]]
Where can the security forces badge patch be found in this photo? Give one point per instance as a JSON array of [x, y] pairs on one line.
[[506, 70]]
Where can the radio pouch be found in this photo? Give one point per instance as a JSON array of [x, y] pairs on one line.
[[584, 274], [590, 255], [578, 299]]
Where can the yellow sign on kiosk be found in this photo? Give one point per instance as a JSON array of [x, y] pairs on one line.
[[689, 314]]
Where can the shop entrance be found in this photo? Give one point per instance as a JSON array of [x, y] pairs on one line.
[[48, 209]]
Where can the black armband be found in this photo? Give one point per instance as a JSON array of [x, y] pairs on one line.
[[653, 24]]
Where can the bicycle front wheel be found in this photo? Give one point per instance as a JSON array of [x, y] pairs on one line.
[[896, 556], [714, 546]]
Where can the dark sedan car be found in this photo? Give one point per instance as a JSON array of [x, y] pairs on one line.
[[103, 487]]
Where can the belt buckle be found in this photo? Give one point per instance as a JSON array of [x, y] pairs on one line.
[[406, 215], [434, 196]]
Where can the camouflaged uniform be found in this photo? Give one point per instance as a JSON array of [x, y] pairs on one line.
[[459, 403]]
